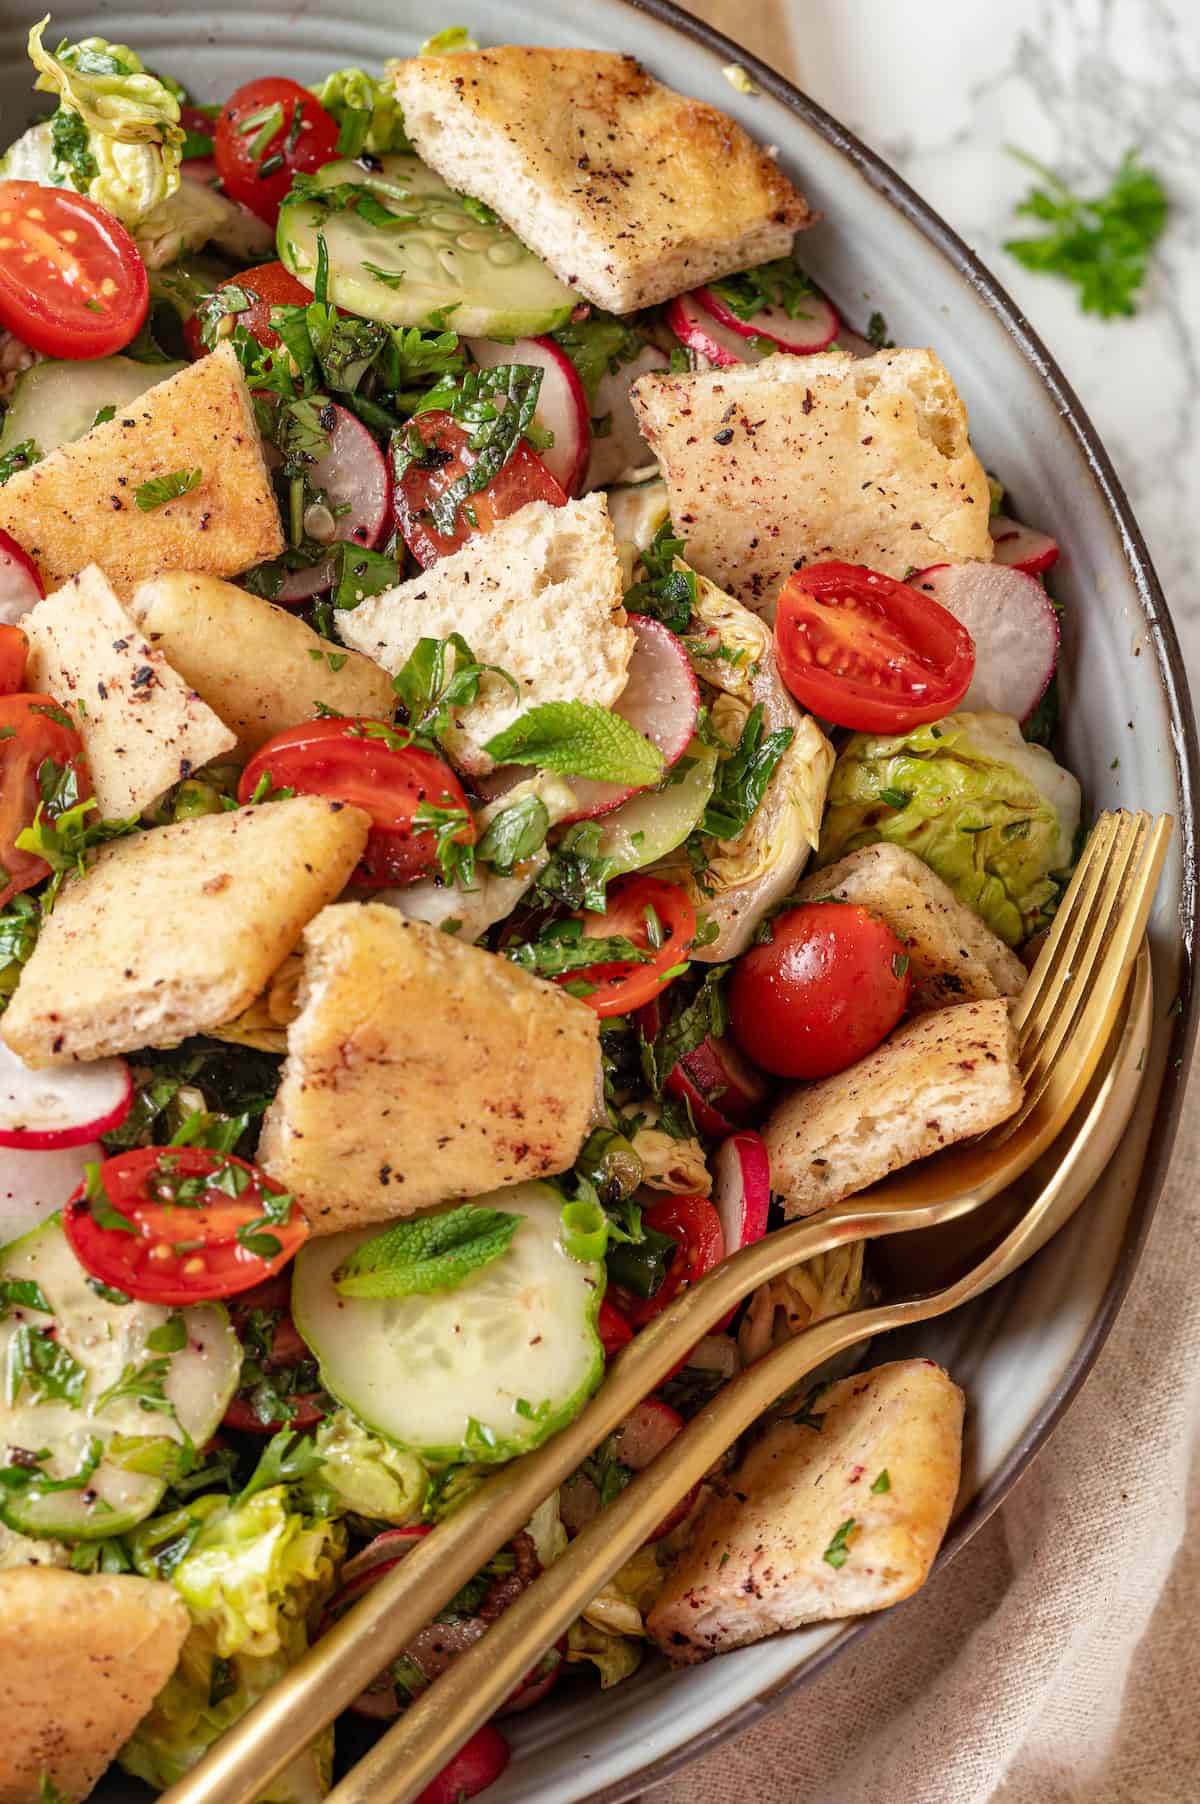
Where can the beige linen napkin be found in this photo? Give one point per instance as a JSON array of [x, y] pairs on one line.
[[1056, 1660]]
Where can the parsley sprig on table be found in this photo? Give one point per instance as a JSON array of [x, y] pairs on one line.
[[1102, 245]]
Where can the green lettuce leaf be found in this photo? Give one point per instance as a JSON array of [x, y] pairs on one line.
[[251, 1574], [994, 816], [116, 136], [364, 1476]]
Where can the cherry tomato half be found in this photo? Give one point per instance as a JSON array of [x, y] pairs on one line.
[[373, 766], [613, 1329], [37, 745], [14, 649], [659, 920], [695, 1227], [187, 1240], [266, 133], [830, 983], [72, 283], [271, 286], [868, 652], [524, 477]]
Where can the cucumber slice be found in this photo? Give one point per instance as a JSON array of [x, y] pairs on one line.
[[106, 1339], [648, 826], [437, 255], [485, 1371], [54, 403]]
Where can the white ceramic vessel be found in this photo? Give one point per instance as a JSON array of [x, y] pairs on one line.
[[1128, 732]]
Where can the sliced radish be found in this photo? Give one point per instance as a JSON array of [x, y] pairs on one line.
[[388, 1547], [723, 1087], [65, 1106], [20, 585], [353, 474], [622, 448], [562, 404], [811, 330], [641, 1437], [1022, 546], [1012, 621], [478, 1764], [661, 699], [35, 1184], [715, 1353], [742, 1189], [696, 328]]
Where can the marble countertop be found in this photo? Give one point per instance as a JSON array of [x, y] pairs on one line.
[[940, 88]]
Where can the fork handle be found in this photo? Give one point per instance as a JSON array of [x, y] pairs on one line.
[[432, 1729], [327, 1679]]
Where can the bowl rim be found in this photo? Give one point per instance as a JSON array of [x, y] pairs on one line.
[[1173, 681]]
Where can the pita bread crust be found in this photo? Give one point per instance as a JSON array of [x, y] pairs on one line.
[[937, 1079], [78, 506], [82, 1658], [800, 460], [755, 1561], [421, 1069], [630, 192]]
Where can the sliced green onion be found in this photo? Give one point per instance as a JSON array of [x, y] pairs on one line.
[[585, 1230]]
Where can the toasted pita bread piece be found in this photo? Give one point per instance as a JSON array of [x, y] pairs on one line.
[[954, 956], [937, 1079], [834, 1514], [174, 931], [629, 192], [142, 727], [539, 596], [421, 1069], [79, 505], [258, 665], [82, 1658], [798, 460]]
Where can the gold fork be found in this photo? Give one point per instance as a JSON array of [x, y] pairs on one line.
[[1064, 1018]]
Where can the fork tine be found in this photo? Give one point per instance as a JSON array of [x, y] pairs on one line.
[[1045, 978], [1073, 1035], [1084, 937], [1070, 1042]]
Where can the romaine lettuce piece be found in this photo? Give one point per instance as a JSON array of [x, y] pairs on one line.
[[366, 1476], [994, 816], [116, 136], [252, 1576]]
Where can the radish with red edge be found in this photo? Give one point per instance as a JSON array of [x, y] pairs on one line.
[[661, 698], [696, 328], [742, 1189], [20, 585], [352, 473], [641, 1437], [562, 406], [65, 1106], [812, 329], [1022, 546], [34, 1185], [478, 1764], [622, 447], [1012, 621], [724, 1088]]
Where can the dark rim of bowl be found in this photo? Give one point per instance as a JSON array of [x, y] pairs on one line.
[[1173, 679]]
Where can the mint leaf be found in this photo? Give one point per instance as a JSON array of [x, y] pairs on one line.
[[579, 739], [161, 489], [416, 1258], [517, 832]]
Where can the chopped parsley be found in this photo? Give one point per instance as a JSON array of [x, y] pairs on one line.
[[838, 1551], [160, 489], [1101, 245]]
